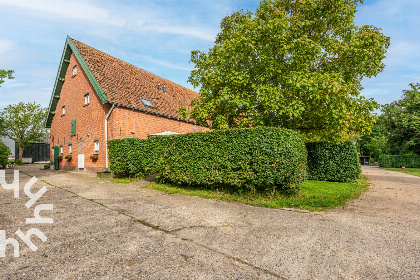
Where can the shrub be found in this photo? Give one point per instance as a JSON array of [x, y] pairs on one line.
[[236, 159], [333, 162], [18, 162], [4, 161], [4, 150], [398, 161]]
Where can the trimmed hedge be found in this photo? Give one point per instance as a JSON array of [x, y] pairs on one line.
[[398, 161], [238, 159], [333, 162]]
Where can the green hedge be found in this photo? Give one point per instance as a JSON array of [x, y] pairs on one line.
[[333, 162], [398, 161], [238, 159], [4, 161]]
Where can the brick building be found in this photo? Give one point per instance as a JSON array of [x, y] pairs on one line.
[[97, 97]]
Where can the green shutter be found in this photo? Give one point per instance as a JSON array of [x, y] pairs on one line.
[[73, 127]]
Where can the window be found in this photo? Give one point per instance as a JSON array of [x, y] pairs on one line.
[[164, 88], [73, 127], [146, 102], [74, 71], [159, 87], [70, 148], [96, 146], [64, 110], [61, 149], [86, 99]]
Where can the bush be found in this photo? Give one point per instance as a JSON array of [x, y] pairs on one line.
[[236, 159], [18, 162], [4, 161], [398, 161], [333, 162], [4, 150]]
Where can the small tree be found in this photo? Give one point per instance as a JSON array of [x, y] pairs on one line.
[[24, 123], [4, 150], [293, 63]]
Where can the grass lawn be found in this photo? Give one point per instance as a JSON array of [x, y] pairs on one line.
[[314, 195], [412, 171]]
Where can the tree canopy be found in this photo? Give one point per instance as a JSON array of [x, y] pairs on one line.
[[375, 143], [5, 74], [24, 124], [293, 63], [403, 122]]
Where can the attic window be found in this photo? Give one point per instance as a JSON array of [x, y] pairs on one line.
[[159, 87], [146, 102], [164, 88], [74, 71], [64, 110]]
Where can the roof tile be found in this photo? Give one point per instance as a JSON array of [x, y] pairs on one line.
[[124, 83]]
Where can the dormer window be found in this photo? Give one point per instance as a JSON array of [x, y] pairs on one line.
[[164, 88], [86, 99], [74, 71], [159, 87], [146, 102]]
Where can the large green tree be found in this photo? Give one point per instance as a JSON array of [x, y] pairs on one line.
[[403, 122], [24, 123], [293, 63]]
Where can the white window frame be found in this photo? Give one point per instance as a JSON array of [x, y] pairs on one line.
[[70, 148], [74, 70], [96, 144], [87, 99], [64, 109], [61, 149]]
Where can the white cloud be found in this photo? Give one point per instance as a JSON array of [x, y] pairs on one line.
[[65, 9], [180, 30], [163, 63]]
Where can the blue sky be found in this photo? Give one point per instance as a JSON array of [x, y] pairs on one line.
[[159, 36]]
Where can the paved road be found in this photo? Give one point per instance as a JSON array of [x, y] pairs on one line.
[[104, 230]]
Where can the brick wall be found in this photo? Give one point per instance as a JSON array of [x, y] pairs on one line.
[[126, 122], [90, 122]]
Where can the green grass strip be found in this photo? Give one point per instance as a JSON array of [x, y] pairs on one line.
[[314, 195], [411, 171]]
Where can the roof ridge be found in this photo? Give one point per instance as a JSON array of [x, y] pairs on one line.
[[133, 65]]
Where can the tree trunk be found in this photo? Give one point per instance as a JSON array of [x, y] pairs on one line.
[[21, 152]]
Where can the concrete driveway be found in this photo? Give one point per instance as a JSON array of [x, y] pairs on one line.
[[105, 230]]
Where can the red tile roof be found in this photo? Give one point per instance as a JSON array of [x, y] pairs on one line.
[[124, 84]]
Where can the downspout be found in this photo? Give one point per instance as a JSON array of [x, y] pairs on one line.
[[106, 136]]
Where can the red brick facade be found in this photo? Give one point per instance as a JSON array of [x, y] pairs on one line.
[[90, 122]]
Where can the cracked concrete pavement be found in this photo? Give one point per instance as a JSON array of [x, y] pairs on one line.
[[105, 230]]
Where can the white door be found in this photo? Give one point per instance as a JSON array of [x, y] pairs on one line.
[[81, 159]]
